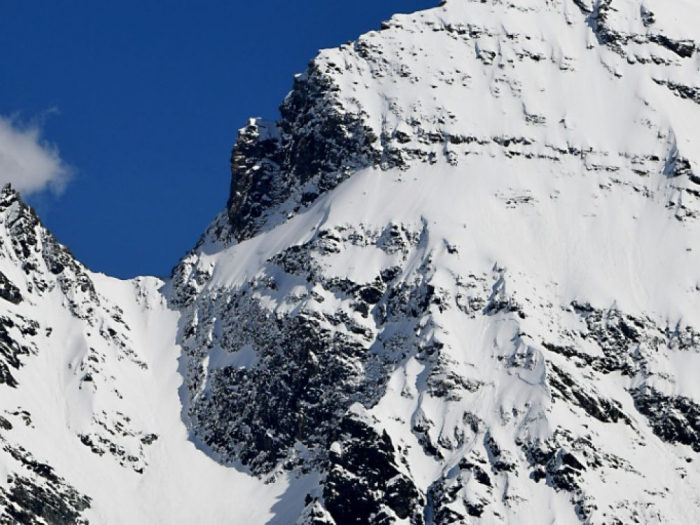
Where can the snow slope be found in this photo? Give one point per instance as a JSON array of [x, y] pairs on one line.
[[456, 282], [97, 399]]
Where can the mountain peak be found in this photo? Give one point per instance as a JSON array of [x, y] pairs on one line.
[[7, 189], [456, 281], [9, 196], [467, 78]]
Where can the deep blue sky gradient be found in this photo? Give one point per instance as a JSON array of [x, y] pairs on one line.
[[149, 98]]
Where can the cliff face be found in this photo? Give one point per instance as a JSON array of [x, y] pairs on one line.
[[316, 145], [456, 282]]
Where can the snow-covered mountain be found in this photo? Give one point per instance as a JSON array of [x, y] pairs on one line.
[[457, 282]]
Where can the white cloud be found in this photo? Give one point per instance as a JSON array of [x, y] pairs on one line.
[[28, 162]]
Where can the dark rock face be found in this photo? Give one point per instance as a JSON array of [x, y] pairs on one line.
[[628, 343], [562, 461], [303, 379], [682, 48], [616, 39], [683, 91], [310, 150], [462, 496], [26, 502], [673, 419], [9, 291], [39, 497], [565, 387], [296, 374], [253, 183], [620, 337], [364, 484], [283, 401], [103, 444], [12, 352]]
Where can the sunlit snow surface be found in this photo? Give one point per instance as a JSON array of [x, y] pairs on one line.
[[538, 186]]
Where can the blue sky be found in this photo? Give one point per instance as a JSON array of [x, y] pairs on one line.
[[139, 103]]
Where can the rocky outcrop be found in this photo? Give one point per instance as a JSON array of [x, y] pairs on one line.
[[315, 146], [675, 419], [40, 495], [9, 291], [364, 483]]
